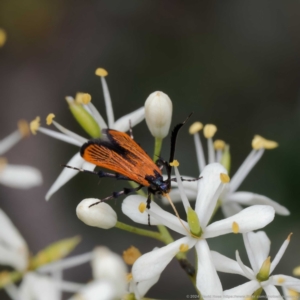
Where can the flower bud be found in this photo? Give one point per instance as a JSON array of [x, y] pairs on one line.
[[158, 114], [100, 215]]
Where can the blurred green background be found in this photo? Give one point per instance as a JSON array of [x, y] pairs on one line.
[[233, 63]]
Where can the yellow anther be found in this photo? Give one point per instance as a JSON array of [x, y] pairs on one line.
[[224, 178], [3, 163], [174, 163], [235, 227], [259, 142], [50, 118], [24, 128], [34, 125], [194, 128], [78, 98], [209, 130], [86, 98], [5, 278], [131, 255], [293, 294], [296, 271], [289, 237], [142, 207], [3, 37], [219, 145], [129, 277], [101, 72], [280, 280], [183, 247]]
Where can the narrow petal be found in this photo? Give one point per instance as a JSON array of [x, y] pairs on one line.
[[257, 245], [97, 116], [108, 103], [248, 272], [230, 208], [12, 291], [199, 152], [153, 263], [209, 190], [207, 280], [20, 177], [249, 219], [226, 264], [60, 136], [279, 254], [243, 290], [144, 286], [244, 169], [69, 133], [9, 141], [135, 118], [286, 281], [247, 198], [76, 161], [272, 292]]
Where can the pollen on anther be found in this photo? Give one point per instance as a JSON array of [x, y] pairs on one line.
[[34, 125], [24, 128], [131, 255], [174, 163], [209, 130], [101, 72], [259, 142], [50, 118], [142, 207], [289, 237], [194, 128], [129, 277], [219, 145], [183, 247], [235, 227], [86, 98], [280, 280], [224, 178]]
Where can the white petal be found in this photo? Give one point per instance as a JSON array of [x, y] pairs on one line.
[[135, 118], [176, 197], [247, 198], [21, 177], [39, 287], [12, 291], [108, 103], [230, 208], [97, 116], [249, 219], [226, 264], [286, 281], [243, 290], [13, 247], [272, 292], [209, 190], [76, 161], [144, 286], [279, 255], [207, 280], [60, 136], [97, 290], [153, 263], [199, 152], [257, 245], [9, 141], [130, 207], [248, 272], [244, 169]]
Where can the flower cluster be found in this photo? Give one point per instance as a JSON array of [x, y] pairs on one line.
[[213, 189]]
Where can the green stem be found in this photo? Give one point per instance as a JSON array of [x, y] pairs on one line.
[[157, 149], [144, 232]]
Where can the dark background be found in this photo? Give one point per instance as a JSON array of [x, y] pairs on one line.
[[233, 63]]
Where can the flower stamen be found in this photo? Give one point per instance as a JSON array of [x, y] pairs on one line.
[[50, 118], [34, 125], [196, 127]]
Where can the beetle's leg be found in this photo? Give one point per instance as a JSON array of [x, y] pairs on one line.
[[183, 179], [125, 191], [130, 130], [148, 205]]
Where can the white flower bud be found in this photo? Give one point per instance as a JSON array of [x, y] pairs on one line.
[[100, 215], [158, 114]]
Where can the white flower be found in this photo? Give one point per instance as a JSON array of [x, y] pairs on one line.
[[213, 180], [158, 114], [17, 176], [109, 272], [100, 215], [122, 124], [258, 247], [231, 200]]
